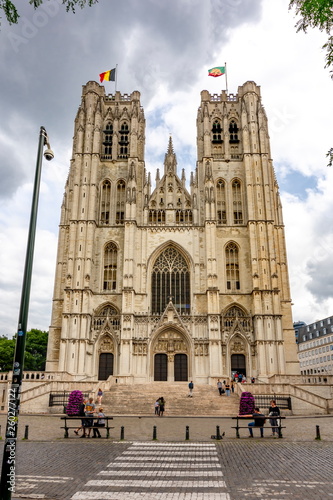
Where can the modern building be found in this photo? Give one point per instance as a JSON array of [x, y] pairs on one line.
[[171, 281], [315, 347], [297, 325]]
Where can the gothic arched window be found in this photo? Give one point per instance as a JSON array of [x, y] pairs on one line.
[[107, 142], [221, 210], [216, 132], [120, 202], [124, 141], [237, 202], [233, 132], [170, 281], [110, 267], [109, 313], [105, 208], [232, 267]]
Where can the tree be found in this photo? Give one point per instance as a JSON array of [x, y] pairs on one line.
[[12, 14], [35, 351], [316, 14], [7, 349]]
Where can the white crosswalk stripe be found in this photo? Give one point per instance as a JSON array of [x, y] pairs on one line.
[[160, 471]]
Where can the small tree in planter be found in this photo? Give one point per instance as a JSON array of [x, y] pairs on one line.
[[74, 400], [246, 404]]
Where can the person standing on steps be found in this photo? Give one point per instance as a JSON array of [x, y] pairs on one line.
[[219, 386], [227, 389], [157, 407], [190, 388], [99, 396]]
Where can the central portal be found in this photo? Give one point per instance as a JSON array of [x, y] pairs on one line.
[[170, 361]]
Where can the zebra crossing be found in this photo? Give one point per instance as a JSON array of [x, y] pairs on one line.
[[159, 471]]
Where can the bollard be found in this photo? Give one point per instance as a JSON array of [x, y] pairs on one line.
[[154, 433], [122, 433], [0, 432], [318, 433], [218, 435], [187, 433], [26, 432]]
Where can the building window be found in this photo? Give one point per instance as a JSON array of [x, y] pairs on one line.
[[233, 132], [232, 267], [170, 281], [217, 132], [221, 211], [105, 208], [124, 141], [120, 202], [110, 267], [107, 140], [237, 202]]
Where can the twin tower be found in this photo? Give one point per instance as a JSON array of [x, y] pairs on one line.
[[171, 281]]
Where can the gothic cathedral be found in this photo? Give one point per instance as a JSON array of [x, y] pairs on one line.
[[169, 281]]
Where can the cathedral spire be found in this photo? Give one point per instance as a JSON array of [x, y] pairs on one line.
[[170, 162]]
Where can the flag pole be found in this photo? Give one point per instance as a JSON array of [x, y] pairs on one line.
[[115, 80], [226, 78]]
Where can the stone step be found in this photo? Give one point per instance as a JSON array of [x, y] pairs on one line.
[[139, 400]]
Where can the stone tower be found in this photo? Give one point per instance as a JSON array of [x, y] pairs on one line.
[[171, 282]]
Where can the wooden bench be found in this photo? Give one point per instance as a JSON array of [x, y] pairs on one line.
[[67, 419], [240, 418]]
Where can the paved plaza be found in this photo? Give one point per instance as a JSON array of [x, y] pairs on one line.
[[295, 467]]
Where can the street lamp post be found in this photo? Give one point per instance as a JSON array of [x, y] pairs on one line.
[[8, 472]]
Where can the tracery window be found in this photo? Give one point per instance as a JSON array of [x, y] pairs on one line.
[[237, 202], [156, 216], [110, 267], [109, 313], [107, 142], [216, 132], [105, 207], [124, 141], [233, 132], [236, 314], [221, 211], [170, 281], [120, 202], [232, 267]]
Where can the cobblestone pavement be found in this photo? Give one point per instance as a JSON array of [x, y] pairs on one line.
[[295, 467], [146, 470]]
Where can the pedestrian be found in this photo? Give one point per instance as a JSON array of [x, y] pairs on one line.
[[227, 389], [219, 386], [253, 380], [259, 421], [236, 377], [100, 422], [240, 377], [232, 387], [190, 387], [89, 412], [274, 411], [99, 396], [83, 421], [161, 406], [157, 407]]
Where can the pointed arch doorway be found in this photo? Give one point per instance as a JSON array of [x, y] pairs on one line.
[[238, 363], [105, 368]]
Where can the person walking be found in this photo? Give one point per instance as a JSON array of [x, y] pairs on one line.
[[157, 407], [190, 387], [89, 412], [83, 422], [99, 396], [161, 406]]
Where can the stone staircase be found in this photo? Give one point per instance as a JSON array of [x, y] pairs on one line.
[[139, 400]]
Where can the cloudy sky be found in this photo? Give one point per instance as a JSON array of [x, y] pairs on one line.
[[163, 49]]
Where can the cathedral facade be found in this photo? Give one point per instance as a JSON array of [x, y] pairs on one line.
[[171, 281]]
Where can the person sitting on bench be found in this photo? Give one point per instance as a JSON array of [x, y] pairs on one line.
[[259, 421]]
